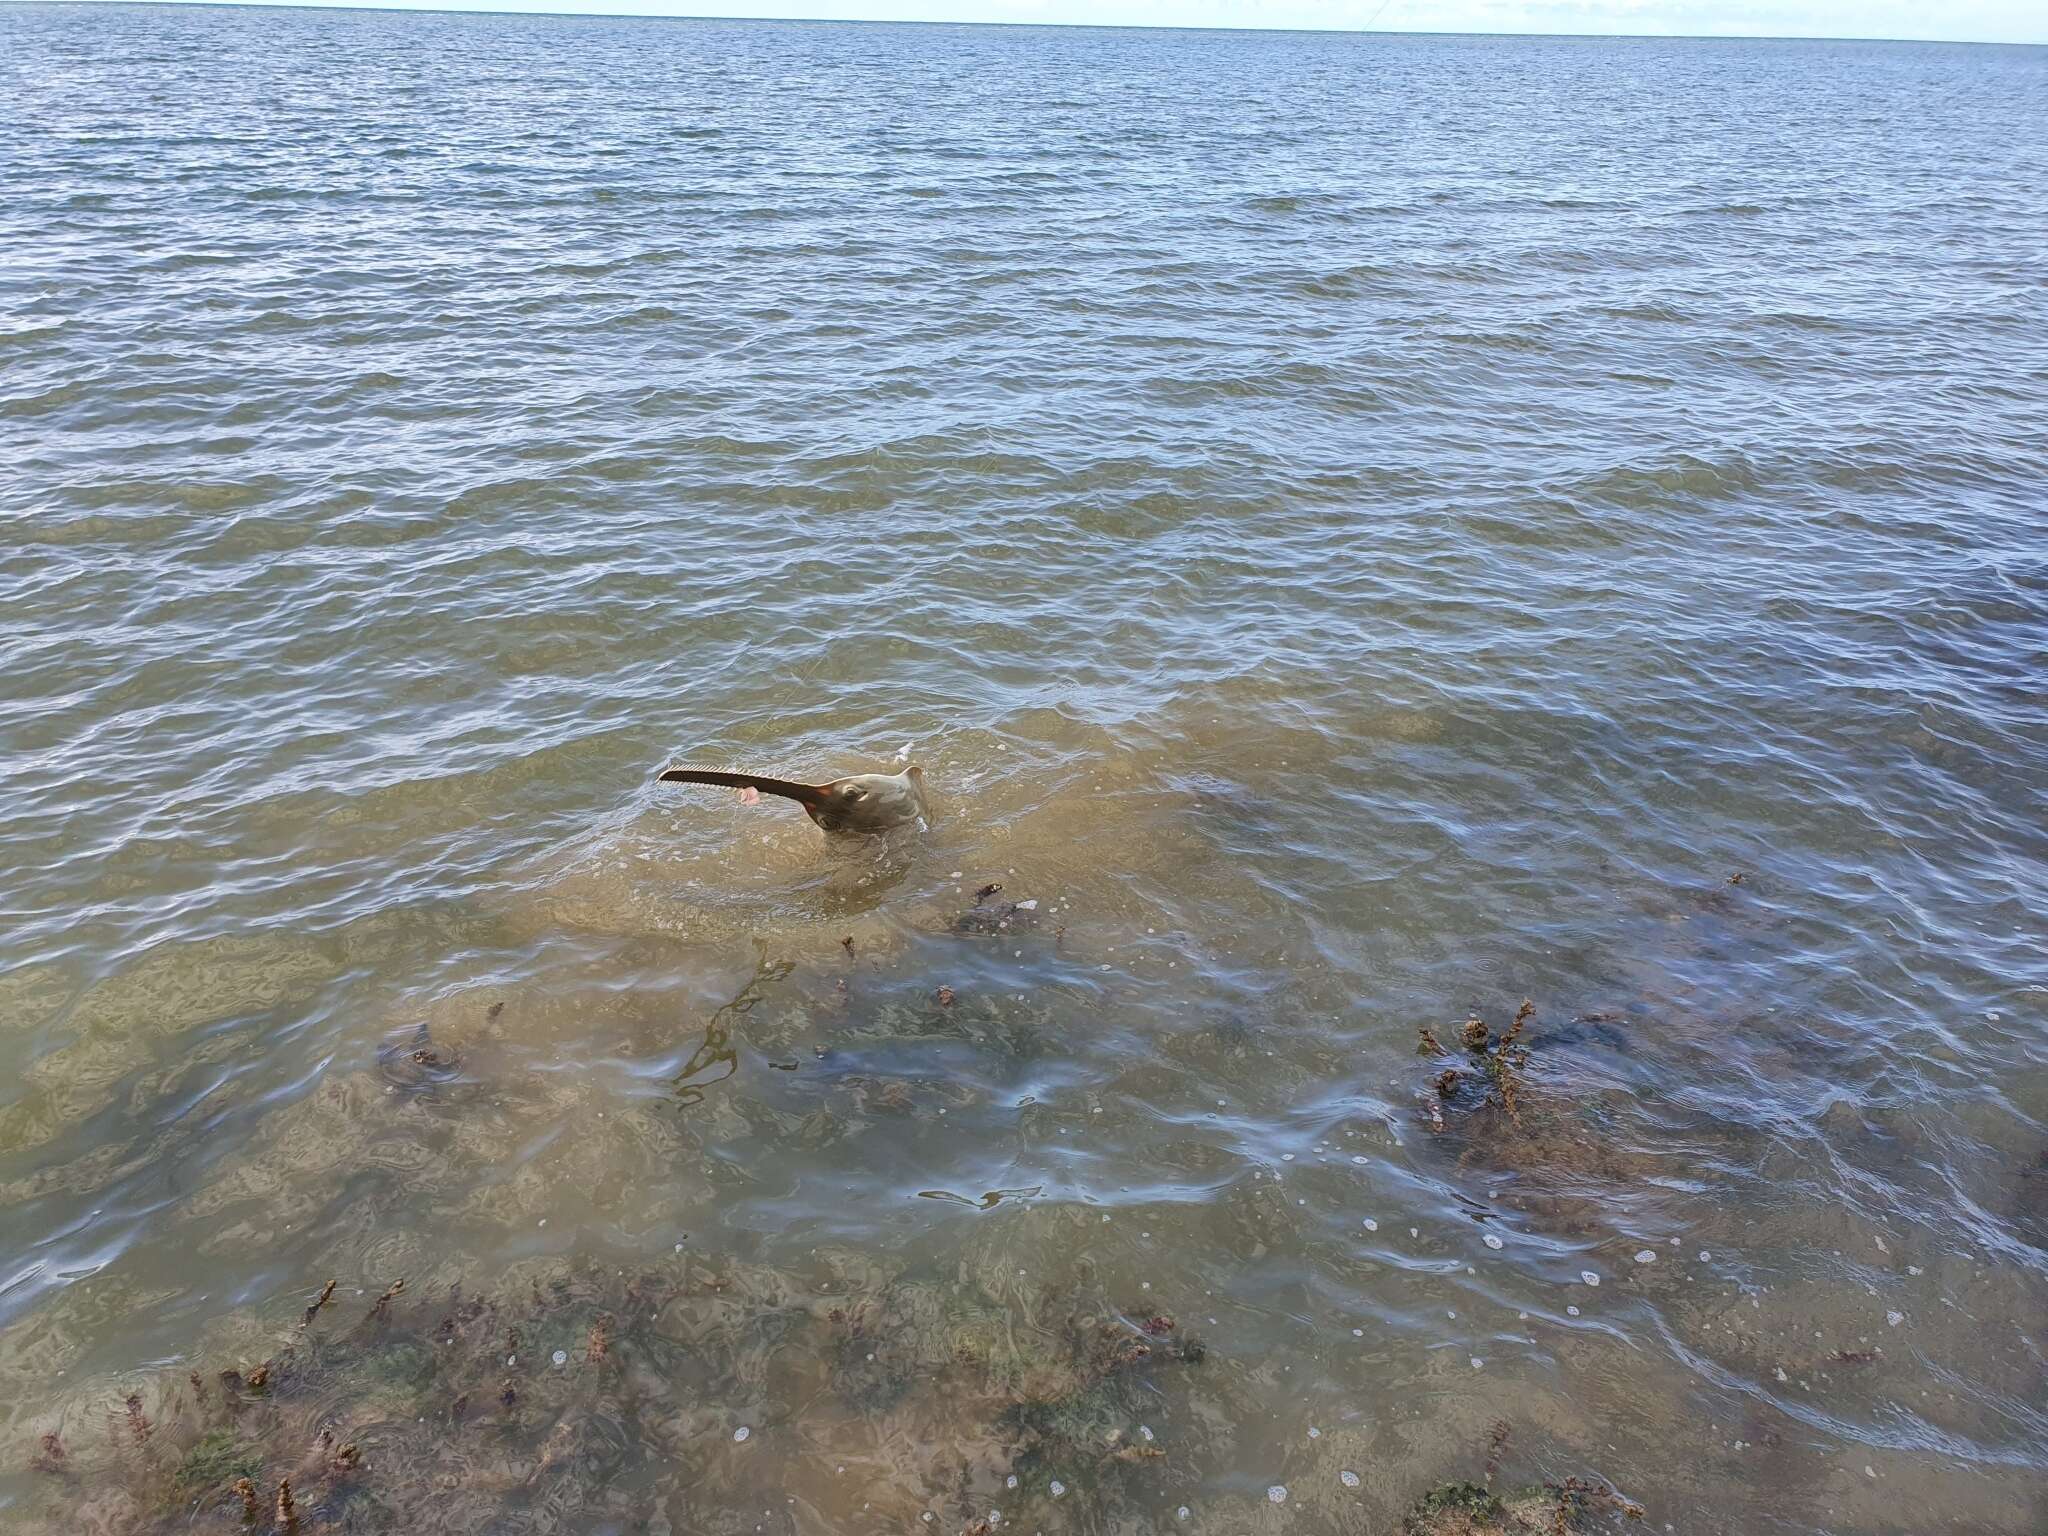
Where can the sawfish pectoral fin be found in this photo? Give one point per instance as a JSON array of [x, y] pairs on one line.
[[804, 794]]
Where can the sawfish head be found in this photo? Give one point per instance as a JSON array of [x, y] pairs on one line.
[[860, 802]]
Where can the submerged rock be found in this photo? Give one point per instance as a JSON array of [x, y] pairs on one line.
[[986, 918]]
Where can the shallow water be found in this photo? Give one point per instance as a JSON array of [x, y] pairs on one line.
[[1358, 530]]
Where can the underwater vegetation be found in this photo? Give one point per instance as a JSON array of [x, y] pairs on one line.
[[1553, 1509], [693, 1395], [1530, 1122], [1495, 1062], [1559, 1508], [581, 1395]]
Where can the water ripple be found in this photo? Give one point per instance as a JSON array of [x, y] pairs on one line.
[[1350, 549]]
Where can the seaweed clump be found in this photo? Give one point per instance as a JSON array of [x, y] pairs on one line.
[[1039, 1399], [218, 1459], [1559, 1149], [1544, 1509], [1550, 1509], [1497, 1061], [1079, 1411], [326, 1434], [1456, 1509], [413, 1407]]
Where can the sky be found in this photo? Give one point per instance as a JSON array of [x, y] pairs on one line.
[[2006, 21]]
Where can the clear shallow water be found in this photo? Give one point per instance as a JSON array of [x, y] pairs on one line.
[[1358, 530]]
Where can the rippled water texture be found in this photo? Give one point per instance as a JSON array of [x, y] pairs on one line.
[[1359, 531]]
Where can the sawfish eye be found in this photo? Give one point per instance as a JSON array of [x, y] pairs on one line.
[[854, 792]]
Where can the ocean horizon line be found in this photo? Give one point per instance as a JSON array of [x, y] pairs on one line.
[[593, 14]]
